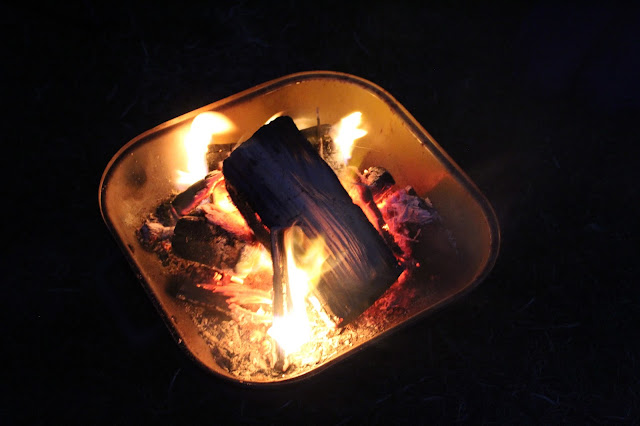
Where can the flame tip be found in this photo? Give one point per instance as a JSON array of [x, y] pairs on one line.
[[346, 132], [196, 143]]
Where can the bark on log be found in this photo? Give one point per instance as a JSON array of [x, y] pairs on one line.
[[277, 179]]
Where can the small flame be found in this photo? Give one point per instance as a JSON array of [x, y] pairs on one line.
[[305, 260], [345, 134], [196, 142]]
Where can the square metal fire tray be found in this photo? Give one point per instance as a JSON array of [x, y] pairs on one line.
[[142, 173]]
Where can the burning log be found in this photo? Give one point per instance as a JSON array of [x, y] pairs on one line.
[[363, 196], [225, 298], [197, 295], [277, 180], [191, 197], [168, 212]]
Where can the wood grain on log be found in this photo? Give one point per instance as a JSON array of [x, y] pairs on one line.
[[277, 179]]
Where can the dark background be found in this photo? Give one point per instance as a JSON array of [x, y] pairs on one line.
[[538, 103]]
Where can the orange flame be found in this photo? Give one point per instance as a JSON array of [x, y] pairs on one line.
[[346, 132], [196, 143]]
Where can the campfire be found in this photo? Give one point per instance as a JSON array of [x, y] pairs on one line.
[[287, 246]]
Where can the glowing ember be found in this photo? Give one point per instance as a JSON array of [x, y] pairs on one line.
[[346, 132], [258, 260], [196, 142], [222, 199], [305, 261], [223, 212]]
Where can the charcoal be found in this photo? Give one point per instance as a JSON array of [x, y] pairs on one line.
[[196, 239], [379, 180]]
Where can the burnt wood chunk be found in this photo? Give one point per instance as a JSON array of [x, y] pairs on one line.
[[216, 153], [320, 138], [379, 181], [191, 197], [151, 232], [194, 238], [277, 180]]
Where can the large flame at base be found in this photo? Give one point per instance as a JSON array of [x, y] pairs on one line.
[[305, 261]]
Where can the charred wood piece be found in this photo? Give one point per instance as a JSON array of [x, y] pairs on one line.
[[379, 181], [216, 153], [224, 216], [151, 233], [203, 297], [190, 198], [166, 214], [277, 179], [419, 229], [221, 296], [195, 238], [319, 137], [406, 214]]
